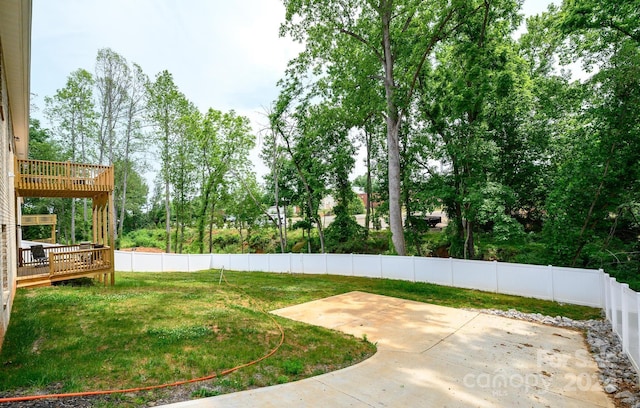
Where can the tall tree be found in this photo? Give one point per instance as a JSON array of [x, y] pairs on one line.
[[306, 149], [112, 81], [475, 75], [245, 206], [599, 173], [184, 169], [401, 36], [165, 108], [223, 143], [43, 146], [72, 113], [134, 110], [272, 154], [132, 213]]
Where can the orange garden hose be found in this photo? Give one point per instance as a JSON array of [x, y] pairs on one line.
[[155, 387]]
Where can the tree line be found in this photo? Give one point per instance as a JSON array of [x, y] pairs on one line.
[[118, 116], [452, 109], [456, 112]]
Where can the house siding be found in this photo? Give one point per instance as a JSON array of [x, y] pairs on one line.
[[8, 215]]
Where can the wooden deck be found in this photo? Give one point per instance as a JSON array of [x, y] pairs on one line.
[[40, 178], [65, 263]]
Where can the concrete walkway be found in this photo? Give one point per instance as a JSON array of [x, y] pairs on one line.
[[433, 356]]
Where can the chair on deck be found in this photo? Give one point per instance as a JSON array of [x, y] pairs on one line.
[[86, 258], [37, 252]]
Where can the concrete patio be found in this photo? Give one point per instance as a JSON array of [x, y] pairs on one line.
[[433, 356]]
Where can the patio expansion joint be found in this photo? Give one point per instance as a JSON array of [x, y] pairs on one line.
[[442, 340], [338, 390]]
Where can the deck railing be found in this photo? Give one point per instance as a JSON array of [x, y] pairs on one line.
[[65, 262], [41, 175], [39, 219], [79, 262], [25, 257]]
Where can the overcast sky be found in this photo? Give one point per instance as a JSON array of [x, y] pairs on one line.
[[223, 54]]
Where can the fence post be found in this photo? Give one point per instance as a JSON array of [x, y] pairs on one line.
[[326, 268], [495, 264], [606, 296], [603, 294], [637, 358], [625, 319], [614, 306], [605, 299], [162, 263], [352, 273], [413, 265], [450, 271], [552, 288], [380, 263]]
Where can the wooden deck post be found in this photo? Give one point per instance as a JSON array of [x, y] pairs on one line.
[[112, 237]]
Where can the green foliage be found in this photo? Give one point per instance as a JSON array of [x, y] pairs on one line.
[[344, 235], [479, 124], [204, 393], [225, 241], [293, 367], [356, 206], [150, 238], [262, 241], [42, 145]]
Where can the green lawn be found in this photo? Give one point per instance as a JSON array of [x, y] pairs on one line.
[[154, 328]]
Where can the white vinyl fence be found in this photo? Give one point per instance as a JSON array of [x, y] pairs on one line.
[[585, 287]]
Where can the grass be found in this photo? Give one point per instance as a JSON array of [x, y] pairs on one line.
[[153, 328]]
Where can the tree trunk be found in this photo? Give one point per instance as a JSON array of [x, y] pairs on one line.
[[469, 251], [211, 229], [367, 217], [276, 192], [175, 239], [282, 239], [85, 211], [73, 221], [393, 128], [125, 176], [124, 199], [202, 217], [581, 241], [309, 198], [167, 208], [285, 226], [181, 242]]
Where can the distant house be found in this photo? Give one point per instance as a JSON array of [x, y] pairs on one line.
[[327, 203], [362, 194], [273, 213]]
